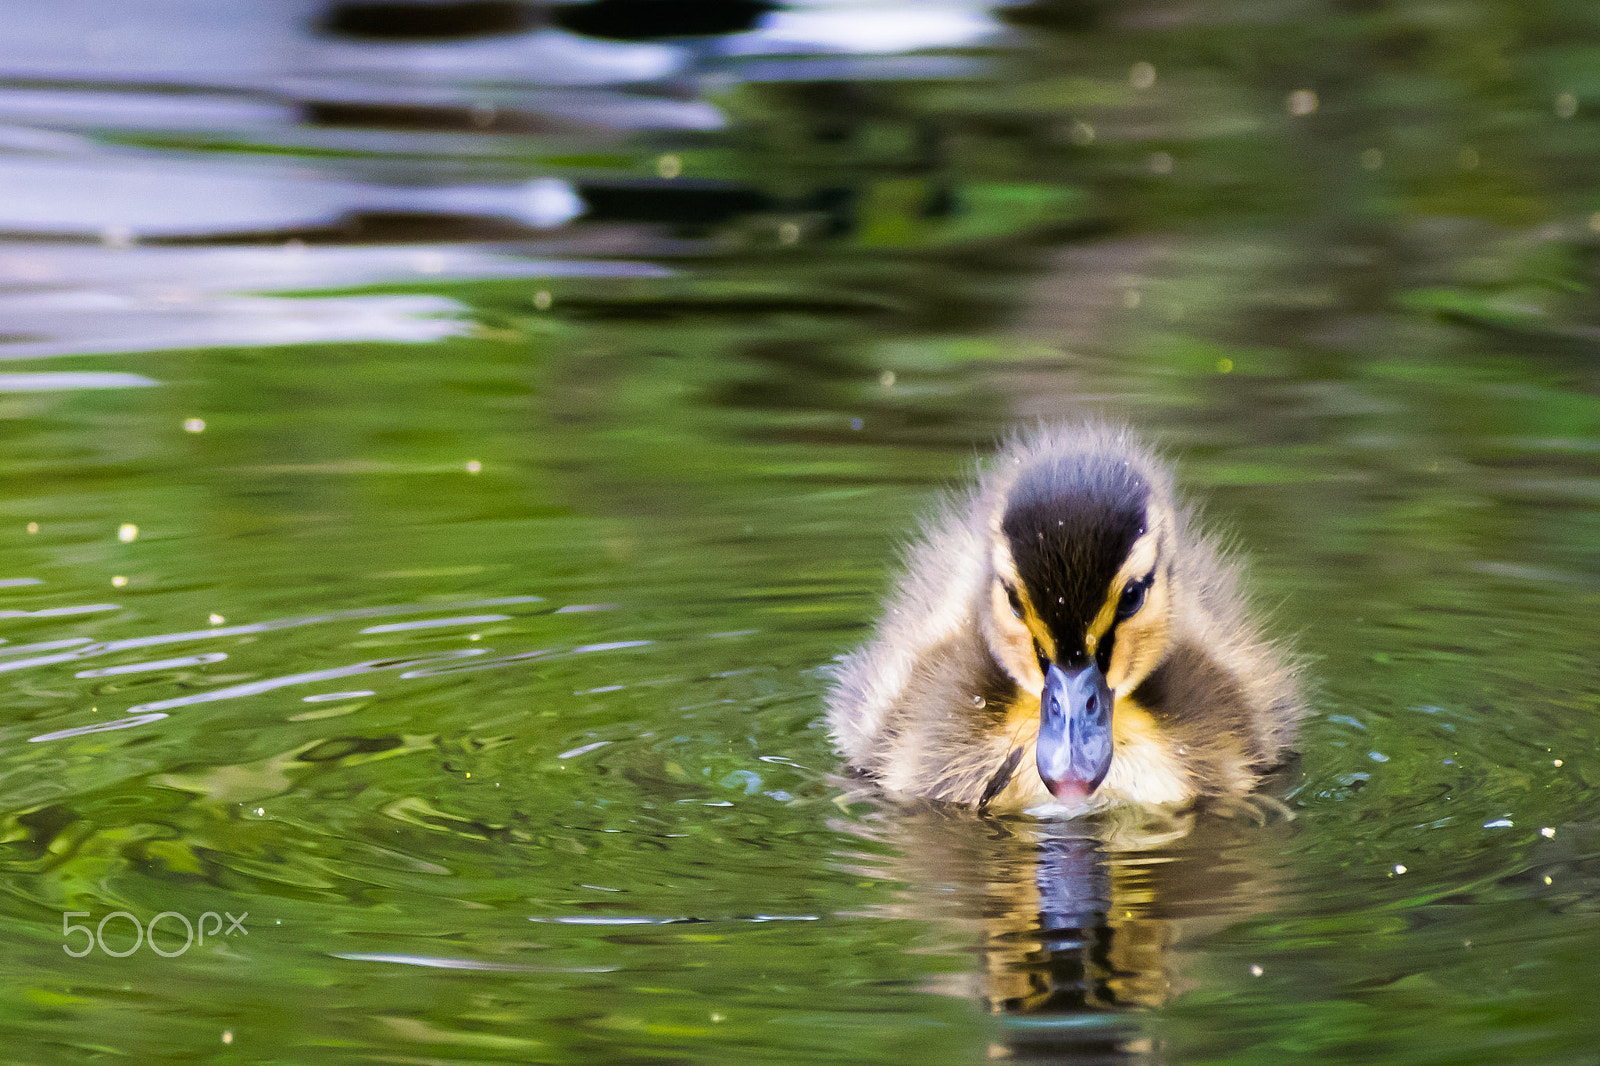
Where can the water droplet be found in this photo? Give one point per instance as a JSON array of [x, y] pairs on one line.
[[194, 425], [669, 166], [1302, 102], [542, 300], [1371, 159], [1566, 105], [886, 379], [127, 532], [979, 702], [215, 619], [1399, 868], [1160, 163], [33, 527], [118, 581], [1256, 970], [1547, 832], [1224, 365], [1142, 75], [474, 467]]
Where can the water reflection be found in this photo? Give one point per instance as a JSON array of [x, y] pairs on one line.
[[122, 197], [1082, 929], [48, 381], [70, 300]]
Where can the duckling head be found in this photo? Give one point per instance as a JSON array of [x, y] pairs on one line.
[[1080, 598]]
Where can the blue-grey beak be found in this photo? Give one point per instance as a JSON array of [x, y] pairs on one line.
[[1074, 749]]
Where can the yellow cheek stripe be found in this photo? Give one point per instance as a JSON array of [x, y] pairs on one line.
[[1132, 724], [1020, 714], [1035, 624], [1108, 613]]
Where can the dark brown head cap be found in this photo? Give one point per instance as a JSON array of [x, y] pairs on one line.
[[1070, 520]]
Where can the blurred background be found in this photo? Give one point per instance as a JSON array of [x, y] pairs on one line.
[[443, 444]]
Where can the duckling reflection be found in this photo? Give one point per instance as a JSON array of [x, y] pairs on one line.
[[1081, 926], [1064, 639]]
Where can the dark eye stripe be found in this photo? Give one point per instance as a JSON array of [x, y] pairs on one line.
[[1128, 606]]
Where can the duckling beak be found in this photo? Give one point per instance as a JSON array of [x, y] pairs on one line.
[[1074, 748]]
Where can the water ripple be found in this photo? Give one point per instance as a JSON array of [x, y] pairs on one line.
[[158, 664], [435, 962], [437, 623], [59, 381], [255, 688]]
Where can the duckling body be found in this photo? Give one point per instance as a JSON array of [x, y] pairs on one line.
[[1064, 637]]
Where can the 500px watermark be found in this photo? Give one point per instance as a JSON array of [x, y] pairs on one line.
[[146, 933]]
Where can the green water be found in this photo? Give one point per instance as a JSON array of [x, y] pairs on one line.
[[473, 649]]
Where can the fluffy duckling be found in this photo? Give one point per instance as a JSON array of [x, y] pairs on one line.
[[1064, 638]]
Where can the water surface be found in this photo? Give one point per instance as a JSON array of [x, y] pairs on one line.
[[443, 453]]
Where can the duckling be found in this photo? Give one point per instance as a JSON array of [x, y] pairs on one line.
[[1067, 614]]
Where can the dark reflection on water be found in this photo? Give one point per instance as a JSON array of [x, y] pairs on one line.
[[1082, 931], [443, 445]]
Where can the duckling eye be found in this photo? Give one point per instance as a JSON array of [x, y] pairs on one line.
[[1133, 598], [1013, 598]]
